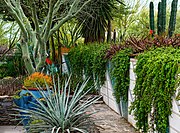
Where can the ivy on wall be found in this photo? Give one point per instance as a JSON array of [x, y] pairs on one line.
[[155, 85], [88, 61], [120, 73]]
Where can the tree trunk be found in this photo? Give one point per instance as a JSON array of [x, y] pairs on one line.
[[59, 53], [53, 49], [27, 58], [109, 31]]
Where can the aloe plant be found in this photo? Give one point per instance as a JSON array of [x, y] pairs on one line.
[[58, 112]]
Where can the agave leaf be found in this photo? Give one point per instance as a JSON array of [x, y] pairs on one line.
[[59, 112], [80, 130]]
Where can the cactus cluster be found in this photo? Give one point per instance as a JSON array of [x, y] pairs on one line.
[[161, 17], [172, 21]]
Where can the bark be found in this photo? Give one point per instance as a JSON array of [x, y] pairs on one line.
[[53, 49], [59, 53], [109, 31], [36, 35]]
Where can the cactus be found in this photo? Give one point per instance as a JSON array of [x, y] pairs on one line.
[[159, 20], [172, 21], [151, 16], [163, 16]]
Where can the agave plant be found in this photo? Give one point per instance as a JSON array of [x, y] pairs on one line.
[[59, 112]]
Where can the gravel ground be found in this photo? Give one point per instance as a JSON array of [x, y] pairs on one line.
[[107, 121]]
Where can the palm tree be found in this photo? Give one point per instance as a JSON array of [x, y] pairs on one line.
[[95, 21]]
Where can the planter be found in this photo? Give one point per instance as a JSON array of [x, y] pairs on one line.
[[25, 100], [123, 105]]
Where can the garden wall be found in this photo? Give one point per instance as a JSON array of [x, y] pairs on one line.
[[107, 93], [8, 87]]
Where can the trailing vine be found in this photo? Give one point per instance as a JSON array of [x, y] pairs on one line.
[[120, 72], [88, 61], [155, 85]]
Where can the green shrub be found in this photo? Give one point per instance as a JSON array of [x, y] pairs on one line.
[[155, 85], [120, 72], [11, 66], [88, 61]]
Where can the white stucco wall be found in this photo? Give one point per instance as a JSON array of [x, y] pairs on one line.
[[107, 93]]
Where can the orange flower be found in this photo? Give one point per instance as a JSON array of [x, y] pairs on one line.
[[39, 78]]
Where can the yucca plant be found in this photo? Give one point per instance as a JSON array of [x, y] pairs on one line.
[[59, 112]]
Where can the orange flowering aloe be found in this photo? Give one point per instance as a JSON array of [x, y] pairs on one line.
[[38, 78]]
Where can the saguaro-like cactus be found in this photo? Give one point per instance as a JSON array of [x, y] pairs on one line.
[[172, 21], [151, 16]]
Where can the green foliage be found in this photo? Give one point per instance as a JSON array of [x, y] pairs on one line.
[[94, 25], [11, 66], [69, 34], [120, 72], [57, 112], [88, 61], [155, 85], [131, 19]]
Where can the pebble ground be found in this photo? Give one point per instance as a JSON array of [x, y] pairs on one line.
[[108, 121]]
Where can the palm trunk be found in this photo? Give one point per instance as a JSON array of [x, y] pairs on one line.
[[59, 53], [109, 32]]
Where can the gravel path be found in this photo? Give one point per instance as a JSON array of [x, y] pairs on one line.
[[107, 121]]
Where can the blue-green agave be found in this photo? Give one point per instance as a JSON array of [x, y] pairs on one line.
[[58, 112]]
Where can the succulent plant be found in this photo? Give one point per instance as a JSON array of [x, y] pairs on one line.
[[58, 112], [39, 78], [172, 21], [151, 16], [161, 17]]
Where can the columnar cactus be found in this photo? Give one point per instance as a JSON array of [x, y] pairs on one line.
[[163, 17], [151, 16], [159, 20], [172, 21]]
